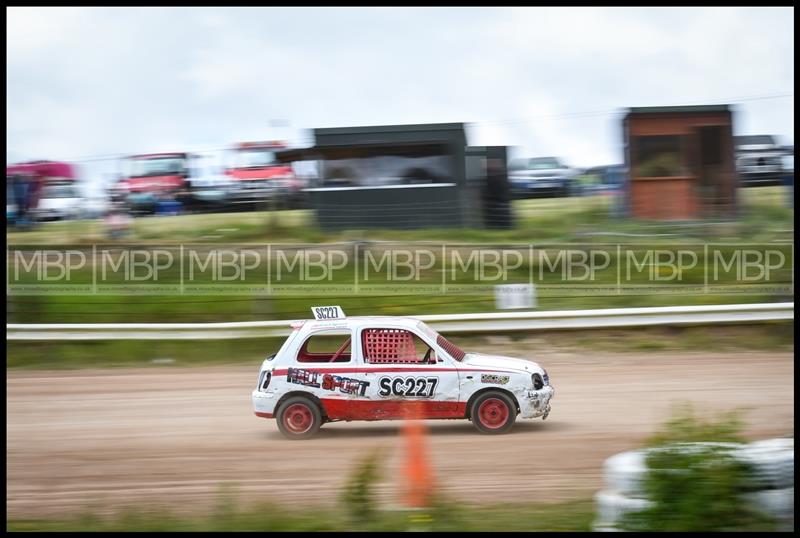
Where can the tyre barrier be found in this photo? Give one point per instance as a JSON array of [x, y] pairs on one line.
[[771, 491], [625, 472], [776, 503], [612, 506], [772, 461]]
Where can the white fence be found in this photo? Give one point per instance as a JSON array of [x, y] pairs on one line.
[[446, 323]]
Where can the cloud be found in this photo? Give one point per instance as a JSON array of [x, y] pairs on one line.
[[84, 82]]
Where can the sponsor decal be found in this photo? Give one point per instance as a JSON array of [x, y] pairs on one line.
[[345, 385], [495, 379], [309, 378], [407, 387], [303, 377]]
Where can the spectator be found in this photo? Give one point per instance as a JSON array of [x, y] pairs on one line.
[[118, 222]]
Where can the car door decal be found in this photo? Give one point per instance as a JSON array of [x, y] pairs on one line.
[[407, 387]]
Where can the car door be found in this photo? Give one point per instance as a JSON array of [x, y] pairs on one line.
[[323, 363], [409, 376]]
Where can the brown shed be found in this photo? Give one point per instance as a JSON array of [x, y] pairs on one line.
[[681, 162]]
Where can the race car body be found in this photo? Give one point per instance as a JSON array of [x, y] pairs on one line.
[[384, 368]]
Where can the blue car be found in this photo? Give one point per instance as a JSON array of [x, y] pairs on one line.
[[541, 176]]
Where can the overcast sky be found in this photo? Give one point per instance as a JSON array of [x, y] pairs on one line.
[[88, 81]]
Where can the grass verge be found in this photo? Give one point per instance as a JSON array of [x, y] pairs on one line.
[[763, 210], [566, 516]]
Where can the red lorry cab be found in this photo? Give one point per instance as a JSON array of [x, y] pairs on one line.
[[41, 174], [156, 173], [255, 161], [49, 171]]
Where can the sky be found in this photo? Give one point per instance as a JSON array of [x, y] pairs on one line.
[[84, 83]]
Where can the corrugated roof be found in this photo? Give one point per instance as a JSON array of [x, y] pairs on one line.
[[390, 128], [679, 109]]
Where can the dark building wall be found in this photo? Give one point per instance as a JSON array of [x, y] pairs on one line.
[[387, 207], [450, 134], [407, 206]]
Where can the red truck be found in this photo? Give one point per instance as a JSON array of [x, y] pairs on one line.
[[257, 176], [151, 177], [42, 190]]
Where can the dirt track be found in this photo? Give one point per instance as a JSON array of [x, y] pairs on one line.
[[170, 436]]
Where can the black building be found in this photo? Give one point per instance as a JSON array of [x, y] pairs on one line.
[[402, 176]]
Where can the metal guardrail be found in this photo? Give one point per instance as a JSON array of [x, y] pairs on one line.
[[446, 323]]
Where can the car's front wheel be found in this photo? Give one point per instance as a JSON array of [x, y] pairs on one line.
[[493, 412], [299, 418]]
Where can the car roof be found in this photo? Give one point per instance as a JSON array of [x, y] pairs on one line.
[[360, 321]]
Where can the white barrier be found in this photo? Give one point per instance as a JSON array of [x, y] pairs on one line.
[[490, 322]]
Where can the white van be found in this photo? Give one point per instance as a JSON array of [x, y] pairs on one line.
[[59, 201]]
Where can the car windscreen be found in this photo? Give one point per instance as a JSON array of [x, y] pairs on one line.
[[545, 163], [453, 350], [59, 191], [255, 158], [157, 167]]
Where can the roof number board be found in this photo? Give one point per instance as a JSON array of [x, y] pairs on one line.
[[327, 312]]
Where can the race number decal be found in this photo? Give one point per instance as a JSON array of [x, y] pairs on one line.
[[407, 387], [327, 312]]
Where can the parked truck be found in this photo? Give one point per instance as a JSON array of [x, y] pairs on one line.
[[758, 160], [42, 190], [151, 178], [259, 179]]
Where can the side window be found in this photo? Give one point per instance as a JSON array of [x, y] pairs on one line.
[[326, 346], [395, 346]]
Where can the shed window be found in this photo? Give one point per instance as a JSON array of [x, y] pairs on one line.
[[660, 156]]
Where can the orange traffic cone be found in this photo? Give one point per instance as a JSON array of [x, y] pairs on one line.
[[419, 479]]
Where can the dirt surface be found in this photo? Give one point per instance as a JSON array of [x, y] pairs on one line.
[[170, 437]]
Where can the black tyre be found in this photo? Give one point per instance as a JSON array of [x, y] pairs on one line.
[[299, 418], [493, 412]]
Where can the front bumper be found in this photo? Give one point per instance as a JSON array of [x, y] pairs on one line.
[[538, 188], [52, 214], [535, 403], [539, 184]]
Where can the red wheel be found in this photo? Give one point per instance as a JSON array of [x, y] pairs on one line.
[[299, 418], [493, 412]]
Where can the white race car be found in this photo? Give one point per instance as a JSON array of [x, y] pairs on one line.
[[337, 368]]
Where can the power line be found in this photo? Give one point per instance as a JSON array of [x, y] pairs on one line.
[[617, 111], [568, 115]]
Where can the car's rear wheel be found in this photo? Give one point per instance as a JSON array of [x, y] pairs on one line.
[[299, 418], [493, 412]]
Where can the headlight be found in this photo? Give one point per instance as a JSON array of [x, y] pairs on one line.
[[538, 382]]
